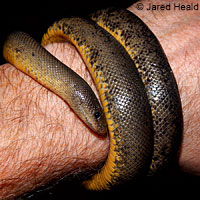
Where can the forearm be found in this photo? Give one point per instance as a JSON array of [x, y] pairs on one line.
[[41, 138]]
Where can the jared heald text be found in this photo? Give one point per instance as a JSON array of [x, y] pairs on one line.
[[173, 6]]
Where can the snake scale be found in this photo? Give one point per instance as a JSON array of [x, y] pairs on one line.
[[137, 89]]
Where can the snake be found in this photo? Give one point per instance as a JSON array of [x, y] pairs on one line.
[[140, 106]]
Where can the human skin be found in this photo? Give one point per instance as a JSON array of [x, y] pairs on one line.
[[42, 139]]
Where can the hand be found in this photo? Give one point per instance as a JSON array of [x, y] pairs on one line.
[[41, 138]]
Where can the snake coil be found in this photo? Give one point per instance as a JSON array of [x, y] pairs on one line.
[[135, 83]]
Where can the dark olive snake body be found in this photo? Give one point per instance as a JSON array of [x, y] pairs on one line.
[[135, 83]]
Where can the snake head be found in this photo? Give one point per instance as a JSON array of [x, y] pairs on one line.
[[93, 116], [86, 105]]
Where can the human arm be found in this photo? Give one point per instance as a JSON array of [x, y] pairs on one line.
[[41, 139]]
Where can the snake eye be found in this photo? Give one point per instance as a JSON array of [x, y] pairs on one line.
[[97, 115]]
